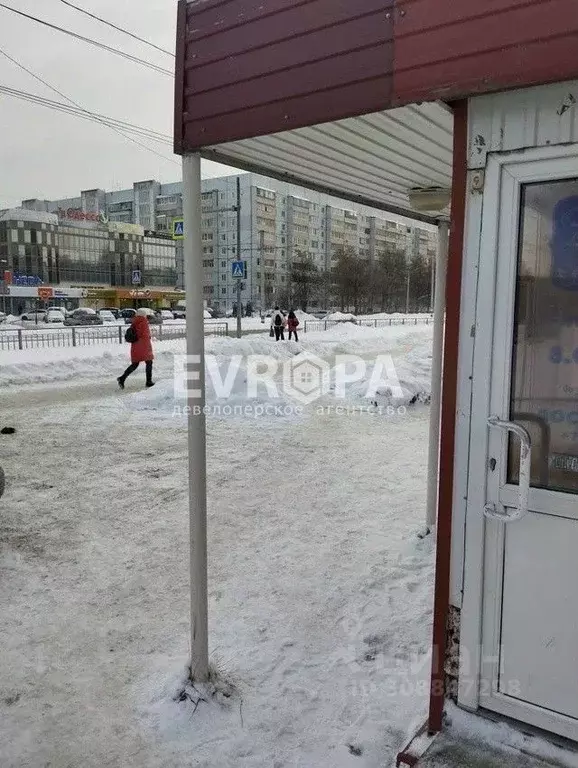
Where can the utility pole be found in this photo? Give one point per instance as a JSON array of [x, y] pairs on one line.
[[432, 284], [410, 236], [262, 264], [239, 279], [408, 280]]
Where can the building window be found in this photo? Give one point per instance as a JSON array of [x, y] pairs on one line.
[[223, 290], [223, 263]]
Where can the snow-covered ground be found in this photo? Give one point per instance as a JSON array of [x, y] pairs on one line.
[[320, 590]]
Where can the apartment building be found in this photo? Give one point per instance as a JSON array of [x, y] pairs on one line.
[[279, 224]]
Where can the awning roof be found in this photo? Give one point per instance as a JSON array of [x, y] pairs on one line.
[[374, 160]]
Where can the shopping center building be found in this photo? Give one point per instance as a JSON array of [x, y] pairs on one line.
[[82, 259]]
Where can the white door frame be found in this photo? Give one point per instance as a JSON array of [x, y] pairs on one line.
[[505, 174]]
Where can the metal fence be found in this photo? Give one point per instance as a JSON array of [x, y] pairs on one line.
[[323, 325], [78, 336]]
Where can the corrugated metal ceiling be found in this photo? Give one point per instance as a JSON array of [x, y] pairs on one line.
[[375, 159]]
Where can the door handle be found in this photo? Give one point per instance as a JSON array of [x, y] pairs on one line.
[[498, 511]]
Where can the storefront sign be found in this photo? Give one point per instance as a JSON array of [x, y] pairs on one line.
[[127, 229], [69, 293], [76, 214], [23, 291], [140, 294], [29, 280], [46, 292]]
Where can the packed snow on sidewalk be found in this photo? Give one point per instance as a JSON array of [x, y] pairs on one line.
[[320, 592]]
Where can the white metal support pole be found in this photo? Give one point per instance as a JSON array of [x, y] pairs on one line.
[[239, 258], [197, 429], [436, 373]]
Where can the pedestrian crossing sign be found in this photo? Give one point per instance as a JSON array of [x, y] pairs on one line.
[[178, 229], [238, 269]]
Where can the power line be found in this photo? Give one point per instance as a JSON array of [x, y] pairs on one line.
[[114, 26], [74, 103], [85, 113], [90, 41]]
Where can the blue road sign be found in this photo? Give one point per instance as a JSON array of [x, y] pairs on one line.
[[136, 277], [238, 269], [178, 229]]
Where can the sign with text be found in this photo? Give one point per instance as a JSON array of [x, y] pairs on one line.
[[76, 214]]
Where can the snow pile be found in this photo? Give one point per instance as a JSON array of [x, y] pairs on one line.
[[389, 315], [305, 317], [207, 315], [410, 348], [341, 317], [73, 364]]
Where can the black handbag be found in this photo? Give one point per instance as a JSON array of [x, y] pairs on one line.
[[131, 335]]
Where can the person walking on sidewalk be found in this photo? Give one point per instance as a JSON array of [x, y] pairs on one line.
[[292, 323], [277, 324], [141, 349]]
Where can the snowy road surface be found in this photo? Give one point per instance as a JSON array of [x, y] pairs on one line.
[[320, 591], [317, 587]]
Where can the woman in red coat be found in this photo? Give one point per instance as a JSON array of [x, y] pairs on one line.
[[141, 350], [292, 323]]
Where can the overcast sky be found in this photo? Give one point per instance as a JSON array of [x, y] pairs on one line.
[[46, 154]]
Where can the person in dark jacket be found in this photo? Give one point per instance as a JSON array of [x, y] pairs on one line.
[[292, 323], [277, 324], [141, 350]]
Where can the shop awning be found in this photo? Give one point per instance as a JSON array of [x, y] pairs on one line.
[[374, 160]]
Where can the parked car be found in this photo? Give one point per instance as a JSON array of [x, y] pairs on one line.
[[3, 317], [34, 316], [115, 311], [321, 315], [166, 314], [106, 316], [54, 316], [127, 314], [154, 318], [179, 313], [83, 316]]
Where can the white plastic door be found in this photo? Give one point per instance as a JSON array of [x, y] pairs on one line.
[[525, 425]]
